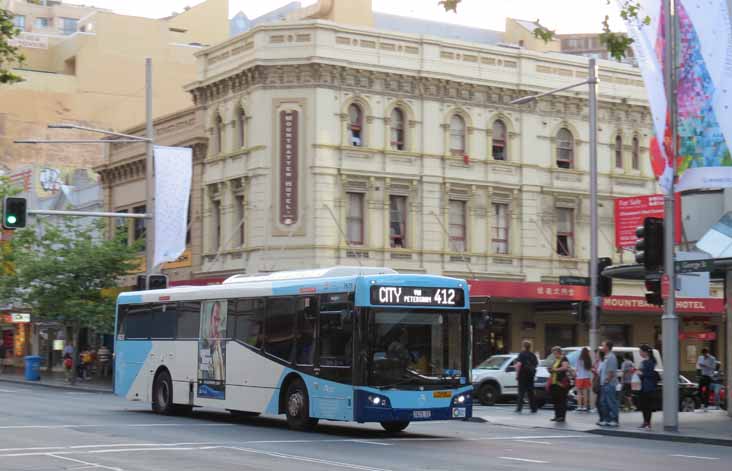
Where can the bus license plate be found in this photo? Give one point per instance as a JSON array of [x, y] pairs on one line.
[[458, 412], [422, 414]]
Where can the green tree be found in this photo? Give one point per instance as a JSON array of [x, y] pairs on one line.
[[616, 43], [68, 273], [9, 55]]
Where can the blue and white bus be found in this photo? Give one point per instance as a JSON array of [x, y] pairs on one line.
[[344, 343]]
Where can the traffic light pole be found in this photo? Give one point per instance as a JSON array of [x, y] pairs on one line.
[[149, 172], [594, 226], [670, 321]]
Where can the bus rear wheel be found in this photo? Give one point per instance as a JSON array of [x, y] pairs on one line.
[[297, 407], [395, 427], [162, 400]]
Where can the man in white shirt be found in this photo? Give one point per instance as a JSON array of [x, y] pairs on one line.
[[705, 366]]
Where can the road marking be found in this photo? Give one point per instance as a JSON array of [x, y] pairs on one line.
[[696, 457], [523, 460], [533, 441], [11, 427], [86, 463], [125, 450], [369, 442], [307, 459], [8, 391]]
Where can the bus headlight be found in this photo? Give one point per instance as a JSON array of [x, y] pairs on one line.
[[461, 399], [378, 401]]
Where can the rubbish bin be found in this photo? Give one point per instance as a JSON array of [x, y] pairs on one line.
[[32, 368]]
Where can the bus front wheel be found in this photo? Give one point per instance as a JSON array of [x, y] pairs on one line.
[[394, 427], [162, 401], [297, 407]]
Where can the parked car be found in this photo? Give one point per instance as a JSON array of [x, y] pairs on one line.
[[689, 396], [495, 378]]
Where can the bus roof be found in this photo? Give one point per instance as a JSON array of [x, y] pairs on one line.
[[331, 272], [263, 286]]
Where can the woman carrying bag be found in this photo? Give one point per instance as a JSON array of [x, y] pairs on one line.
[[559, 384]]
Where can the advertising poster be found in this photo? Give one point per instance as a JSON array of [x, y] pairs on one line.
[[212, 350]]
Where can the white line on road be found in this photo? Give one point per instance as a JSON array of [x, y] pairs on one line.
[[307, 459], [11, 427], [8, 391], [533, 441], [696, 457], [523, 460], [94, 465], [126, 450], [369, 442]]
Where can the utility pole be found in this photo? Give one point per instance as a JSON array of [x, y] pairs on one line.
[[149, 172], [594, 226], [670, 321]]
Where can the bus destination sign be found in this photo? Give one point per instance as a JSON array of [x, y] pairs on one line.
[[415, 296]]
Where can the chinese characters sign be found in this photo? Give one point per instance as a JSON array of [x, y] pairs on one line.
[[288, 167], [630, 213]]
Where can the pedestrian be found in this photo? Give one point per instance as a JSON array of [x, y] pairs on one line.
[[599, 358], [609, 387], [559, 384], [86, 362], [68, 366], [705, 366], [526, 364], [104, 356], [717, 385], [628, 368], [649, 384], [584, 380]]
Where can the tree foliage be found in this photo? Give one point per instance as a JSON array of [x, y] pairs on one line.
[[67, 273], [9, 54], [617, 44]]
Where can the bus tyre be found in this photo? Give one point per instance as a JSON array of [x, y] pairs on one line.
[[297, 407], [394, 427], [162, 400]]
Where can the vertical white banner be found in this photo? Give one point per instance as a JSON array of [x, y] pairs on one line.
[[173, 173]]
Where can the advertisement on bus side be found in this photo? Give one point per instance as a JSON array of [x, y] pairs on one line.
[[212, 350]]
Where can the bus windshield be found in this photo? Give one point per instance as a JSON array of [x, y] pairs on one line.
[[413, 348]]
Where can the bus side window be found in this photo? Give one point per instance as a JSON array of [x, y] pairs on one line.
[[246, 321], [138, 322], [189, 320], [279, 328], [306, 321]]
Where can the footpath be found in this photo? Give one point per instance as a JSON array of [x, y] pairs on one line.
[[56, 379], [713, 427]]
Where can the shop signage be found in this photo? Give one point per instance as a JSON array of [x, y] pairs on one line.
[[19, 318], [528, 290], [630, 213], [693, 266], [639, 304], [703, 336], [288, 167]]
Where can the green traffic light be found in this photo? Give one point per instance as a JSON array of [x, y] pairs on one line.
[[11, 219]]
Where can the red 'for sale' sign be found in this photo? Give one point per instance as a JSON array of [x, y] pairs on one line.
[[630, 213]]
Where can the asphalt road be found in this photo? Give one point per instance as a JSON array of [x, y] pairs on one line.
[[49, 429]]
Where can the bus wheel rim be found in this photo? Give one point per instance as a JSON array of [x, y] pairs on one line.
[[295, 404]]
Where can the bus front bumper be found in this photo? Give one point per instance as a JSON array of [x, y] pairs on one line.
[[412, 406]]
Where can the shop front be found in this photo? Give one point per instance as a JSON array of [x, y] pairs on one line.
[[701, 325], [14, 337]]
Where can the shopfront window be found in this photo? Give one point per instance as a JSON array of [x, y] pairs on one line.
[[491, 335], [619, 335], [562, 335]]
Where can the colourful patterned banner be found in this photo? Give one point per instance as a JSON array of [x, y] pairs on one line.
[[704, 91]]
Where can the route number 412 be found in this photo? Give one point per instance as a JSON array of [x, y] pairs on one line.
[[445, 297]]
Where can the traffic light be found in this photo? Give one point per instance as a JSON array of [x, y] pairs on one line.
[[15, 211], [579, 310], [604, 283], [649, 248], [148, 282], [653, 290]]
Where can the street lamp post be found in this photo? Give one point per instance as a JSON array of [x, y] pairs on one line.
[[592, 81]]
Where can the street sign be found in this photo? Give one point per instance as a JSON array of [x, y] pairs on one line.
[[665, 286], [692, 266], [19, 318], [574, 280]]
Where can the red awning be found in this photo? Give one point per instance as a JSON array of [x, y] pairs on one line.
[[638, 303], [528, 290]]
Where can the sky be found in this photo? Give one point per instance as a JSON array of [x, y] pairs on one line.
[[563, 16]]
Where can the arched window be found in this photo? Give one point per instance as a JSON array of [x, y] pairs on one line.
[[457, 135], [397, 129], [355, 125], [219, 134], [498, 150], [565, 149], [241, 121], [618, 152], [636, 154]]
